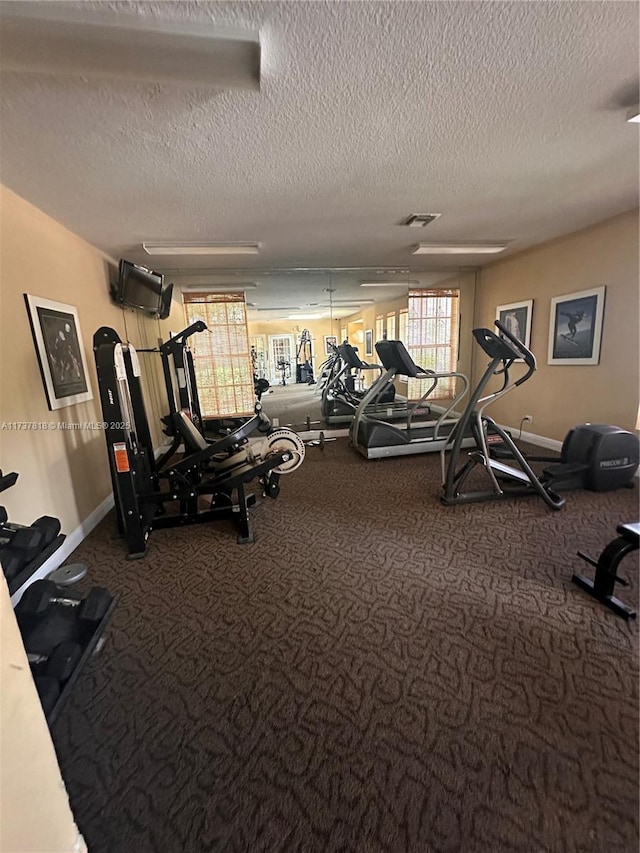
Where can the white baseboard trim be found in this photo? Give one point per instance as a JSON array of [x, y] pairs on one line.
[[532, 438], [68, 546]]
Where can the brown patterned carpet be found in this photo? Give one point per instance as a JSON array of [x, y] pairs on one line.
[[376, 673]]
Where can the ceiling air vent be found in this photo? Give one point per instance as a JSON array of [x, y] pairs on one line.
[[420, 220]]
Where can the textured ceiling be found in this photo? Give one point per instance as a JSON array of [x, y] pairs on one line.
[[506, 117]]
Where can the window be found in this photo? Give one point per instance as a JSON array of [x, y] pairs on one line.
[[259, 356], [403, 326], [433, 321], [221, 357], [391, 326], [379, 327], [343, 334]]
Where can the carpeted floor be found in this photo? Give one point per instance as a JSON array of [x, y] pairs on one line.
[[376, 673]]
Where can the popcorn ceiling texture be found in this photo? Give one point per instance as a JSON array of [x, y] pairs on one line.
[[506, 117]]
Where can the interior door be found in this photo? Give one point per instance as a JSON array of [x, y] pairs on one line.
[[281, 351]]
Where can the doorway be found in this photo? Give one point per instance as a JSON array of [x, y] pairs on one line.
[[281, 352]]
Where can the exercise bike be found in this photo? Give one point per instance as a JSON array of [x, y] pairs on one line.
[[598, 457]]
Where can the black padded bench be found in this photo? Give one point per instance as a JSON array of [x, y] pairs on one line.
[[603, 583]]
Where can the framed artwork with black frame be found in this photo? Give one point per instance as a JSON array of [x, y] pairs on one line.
[[575, 327], [516, 318], [330, 341], [368, 342], [58, 341]]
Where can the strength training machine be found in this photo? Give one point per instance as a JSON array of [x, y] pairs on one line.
[[146, 492]]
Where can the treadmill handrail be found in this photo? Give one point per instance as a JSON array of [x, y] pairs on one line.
[[385, 379]]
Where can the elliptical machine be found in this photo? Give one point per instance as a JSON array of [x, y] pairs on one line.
[[598, 457]]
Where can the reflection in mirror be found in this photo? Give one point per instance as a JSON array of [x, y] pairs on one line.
[[295, 315]]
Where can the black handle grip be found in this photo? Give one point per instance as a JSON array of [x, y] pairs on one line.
[[526, 354], [181, 337]]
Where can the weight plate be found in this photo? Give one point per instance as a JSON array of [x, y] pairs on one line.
[[68, 575], [282, 440]]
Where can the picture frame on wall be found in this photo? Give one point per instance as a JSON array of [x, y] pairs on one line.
[[58, 342], [329, 342], [575, 327], [368, 342], [516, 317]]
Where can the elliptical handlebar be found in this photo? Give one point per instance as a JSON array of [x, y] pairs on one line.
[[523, 352]]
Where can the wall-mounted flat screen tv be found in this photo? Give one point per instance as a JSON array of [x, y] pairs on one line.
[[165, 302], [139, 287]]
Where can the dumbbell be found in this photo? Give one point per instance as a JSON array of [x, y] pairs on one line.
[[7, 480], [25, 544], [46, 526], [37, 599], [60, 663]]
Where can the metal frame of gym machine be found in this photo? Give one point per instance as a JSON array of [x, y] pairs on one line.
[[506, 481], [218, 470], [340, 402], [406, 439], [180, 381]]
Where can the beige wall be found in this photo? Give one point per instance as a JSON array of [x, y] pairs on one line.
[[62, 473], [317, 329], [560, 396]]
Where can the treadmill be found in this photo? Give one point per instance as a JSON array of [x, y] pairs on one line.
[[340, 399], [376, 438]]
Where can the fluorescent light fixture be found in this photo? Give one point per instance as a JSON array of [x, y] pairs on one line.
[[459, 248], [341, 303], [634, 115], [201, 248], [387, 283], [220, 288]]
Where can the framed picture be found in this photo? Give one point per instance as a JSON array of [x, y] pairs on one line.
[[58, 341], [330, 341], [368, 342], [575, 327], [516, 318]]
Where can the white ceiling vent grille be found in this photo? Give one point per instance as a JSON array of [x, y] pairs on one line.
[[420, 220]]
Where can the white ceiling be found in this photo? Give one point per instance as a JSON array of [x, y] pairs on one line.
[[508, 118]]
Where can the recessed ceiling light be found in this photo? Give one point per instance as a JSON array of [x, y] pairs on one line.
[[459, 248], [201, 248], [634, 115]]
